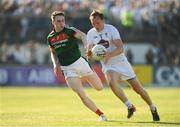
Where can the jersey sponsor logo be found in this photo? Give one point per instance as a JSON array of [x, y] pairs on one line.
[[58, 46], [58, 42], [60, 38]]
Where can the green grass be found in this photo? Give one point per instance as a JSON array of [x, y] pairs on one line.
[[29, 106]]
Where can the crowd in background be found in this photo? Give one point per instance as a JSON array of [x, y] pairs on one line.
[[24, 25]]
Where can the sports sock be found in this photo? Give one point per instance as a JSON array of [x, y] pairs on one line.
[[98, 112], [152, 107], [128, 104]]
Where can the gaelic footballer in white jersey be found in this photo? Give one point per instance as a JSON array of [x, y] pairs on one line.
[[117, 63]]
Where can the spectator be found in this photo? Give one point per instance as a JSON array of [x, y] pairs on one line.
[[149, 56], [129, 55]]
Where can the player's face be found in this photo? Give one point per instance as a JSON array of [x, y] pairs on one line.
[[97, 23], [59, 22]]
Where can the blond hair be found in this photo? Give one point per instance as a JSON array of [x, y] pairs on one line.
[[56, 13], [96, 13]]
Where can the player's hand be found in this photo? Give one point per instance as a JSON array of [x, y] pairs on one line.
[[89, 54], [88, 51], [57, 71], [106, 57]]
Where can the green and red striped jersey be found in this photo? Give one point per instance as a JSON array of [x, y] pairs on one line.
[[65, 45]]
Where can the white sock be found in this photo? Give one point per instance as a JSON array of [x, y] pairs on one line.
[[152, 107], [128, 104]]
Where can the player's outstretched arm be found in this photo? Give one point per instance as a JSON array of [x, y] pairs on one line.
[[88, 51], [81, 35], [118, 50]]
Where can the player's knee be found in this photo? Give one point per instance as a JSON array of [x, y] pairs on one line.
[[138, 90], [76, 90], [112, 83], [99, 88]]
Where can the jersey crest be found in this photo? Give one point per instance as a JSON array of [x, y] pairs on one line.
[[104, 43]]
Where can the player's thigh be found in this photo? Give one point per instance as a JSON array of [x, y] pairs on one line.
[[94, 81], [135, 84], [112, 76], [83, 68], [75, 84]]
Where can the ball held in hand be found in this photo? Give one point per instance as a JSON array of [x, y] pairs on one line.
[[98, 52]]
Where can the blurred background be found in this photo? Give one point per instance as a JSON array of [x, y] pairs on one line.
[[150, 30]]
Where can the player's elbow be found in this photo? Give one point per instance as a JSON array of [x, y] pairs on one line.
[[83, 35]]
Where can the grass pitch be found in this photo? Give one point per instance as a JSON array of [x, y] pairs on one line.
[[58, 107]]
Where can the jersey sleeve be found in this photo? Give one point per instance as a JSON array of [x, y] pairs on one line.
[[115, 33], [89, 38], [73, 31], [49, 44]]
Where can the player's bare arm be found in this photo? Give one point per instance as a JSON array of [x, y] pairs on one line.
[[55, 61], [81, 35], [88, 50], [54, 57], [119, 49]]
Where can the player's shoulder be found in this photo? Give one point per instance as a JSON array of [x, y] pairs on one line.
[[111, 29], [109, 26], [91, 31], [70, 28], [51, 34], [73, 28]]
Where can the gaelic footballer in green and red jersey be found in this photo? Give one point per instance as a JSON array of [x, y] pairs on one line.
[[65, 45]]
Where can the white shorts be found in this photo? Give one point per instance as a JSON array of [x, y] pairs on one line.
[[122, 67], [79, 68]]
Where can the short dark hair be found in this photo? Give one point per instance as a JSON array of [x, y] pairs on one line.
[[96, 13], [55, 13]]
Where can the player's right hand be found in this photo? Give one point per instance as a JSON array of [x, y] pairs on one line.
[[88, 51], [106, 57], [88, 54]]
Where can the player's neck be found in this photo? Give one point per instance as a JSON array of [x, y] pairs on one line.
[[58, 29], [100, 28]]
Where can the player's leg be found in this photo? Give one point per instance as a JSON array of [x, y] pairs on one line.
[[75, 84], [94, 81], [113, 81], [89, 75], [137, 87], [113, 78]]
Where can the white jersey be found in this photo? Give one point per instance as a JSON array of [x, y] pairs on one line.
[[109, 33], [117, 63]]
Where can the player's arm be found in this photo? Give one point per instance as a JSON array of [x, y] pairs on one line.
[[88, 51], [89, 46], [81, 35], [119, 48], [116, 40], [54, 57], [55, 61]]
